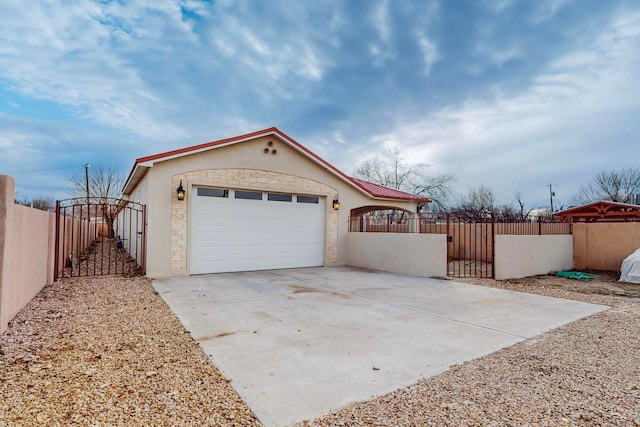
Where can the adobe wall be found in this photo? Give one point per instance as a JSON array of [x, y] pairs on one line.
[[26, 252], [603, 245]]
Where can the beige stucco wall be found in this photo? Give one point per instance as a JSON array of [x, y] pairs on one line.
[[522, 256], [603, 245], [26, 252], [243, 165], [405, 253]]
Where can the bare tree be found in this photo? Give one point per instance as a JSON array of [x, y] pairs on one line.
[[616, 186], [392, 171], [476, 205], [42, 203], [105, 185]]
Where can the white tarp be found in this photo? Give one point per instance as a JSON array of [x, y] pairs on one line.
[[630, 270]]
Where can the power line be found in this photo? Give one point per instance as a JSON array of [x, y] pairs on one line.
[[47, 170]]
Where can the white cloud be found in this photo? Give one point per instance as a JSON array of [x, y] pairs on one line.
[[381, 21], [381, 49], [546, 9], [429, 52], [101, 60], [66, 55], [554, 126]]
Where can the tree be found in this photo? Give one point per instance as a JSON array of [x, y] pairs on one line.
[[105, 185], [480, 203], [476, 205], [616, 186], [391, 171], [40, 202]]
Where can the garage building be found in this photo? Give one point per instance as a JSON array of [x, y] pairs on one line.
[[257, 201]]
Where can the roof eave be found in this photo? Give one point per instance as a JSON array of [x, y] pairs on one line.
[[136, 175], [142, 164]]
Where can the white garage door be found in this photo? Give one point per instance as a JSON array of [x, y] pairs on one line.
[[234, 230]]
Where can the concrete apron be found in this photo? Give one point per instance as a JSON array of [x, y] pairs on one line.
[[300, 343]]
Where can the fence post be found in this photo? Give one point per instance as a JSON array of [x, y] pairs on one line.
[[449, 242], [56, 251], [539, 226]]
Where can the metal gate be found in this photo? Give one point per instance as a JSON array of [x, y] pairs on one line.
[[96, 237], [470, 245]]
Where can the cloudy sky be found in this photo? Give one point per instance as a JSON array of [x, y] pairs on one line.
[[514, 95]]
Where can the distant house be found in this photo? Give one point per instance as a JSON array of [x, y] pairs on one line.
[[251, 202]]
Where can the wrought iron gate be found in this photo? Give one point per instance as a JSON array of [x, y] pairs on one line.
[[96, 237], [470, 245]]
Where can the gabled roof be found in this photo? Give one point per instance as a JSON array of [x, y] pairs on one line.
[[601, 211], [372, 190]]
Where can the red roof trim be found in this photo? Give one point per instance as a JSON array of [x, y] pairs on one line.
[[374, 190], [378, 190], [199, 147]]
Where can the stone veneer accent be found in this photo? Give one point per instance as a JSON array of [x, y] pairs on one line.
[[249, 179]]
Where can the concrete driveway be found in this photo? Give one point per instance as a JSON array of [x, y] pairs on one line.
[[299, 343]]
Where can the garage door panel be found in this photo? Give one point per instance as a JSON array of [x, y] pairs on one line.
[[229, 234]]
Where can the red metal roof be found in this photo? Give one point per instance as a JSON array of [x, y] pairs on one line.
[[377, 190], [374, 190]]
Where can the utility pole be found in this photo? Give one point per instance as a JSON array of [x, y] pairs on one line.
[[551, 194], [86, 180]]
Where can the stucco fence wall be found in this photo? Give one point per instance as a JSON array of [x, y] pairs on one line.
[[426, 254], [405, 253], [27, 249], [26, 252], [522, 256], [603, 245]]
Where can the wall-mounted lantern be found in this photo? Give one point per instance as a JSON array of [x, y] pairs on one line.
[[336, 203], [180, 191]]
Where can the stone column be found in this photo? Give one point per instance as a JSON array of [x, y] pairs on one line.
[[413, 223]]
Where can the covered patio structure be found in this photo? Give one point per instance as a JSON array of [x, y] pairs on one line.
[[601, 211]]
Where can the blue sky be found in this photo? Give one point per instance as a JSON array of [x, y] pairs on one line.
[[514, 95]]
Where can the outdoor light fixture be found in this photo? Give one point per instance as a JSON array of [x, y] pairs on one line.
[[336, 203], [180, 191]]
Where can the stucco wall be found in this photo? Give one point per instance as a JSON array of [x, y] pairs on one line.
[[26, 252], [405, 253], [602, 245], [244, 165], [522, 256]]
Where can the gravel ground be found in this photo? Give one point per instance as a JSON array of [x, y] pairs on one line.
[[108, 351]]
